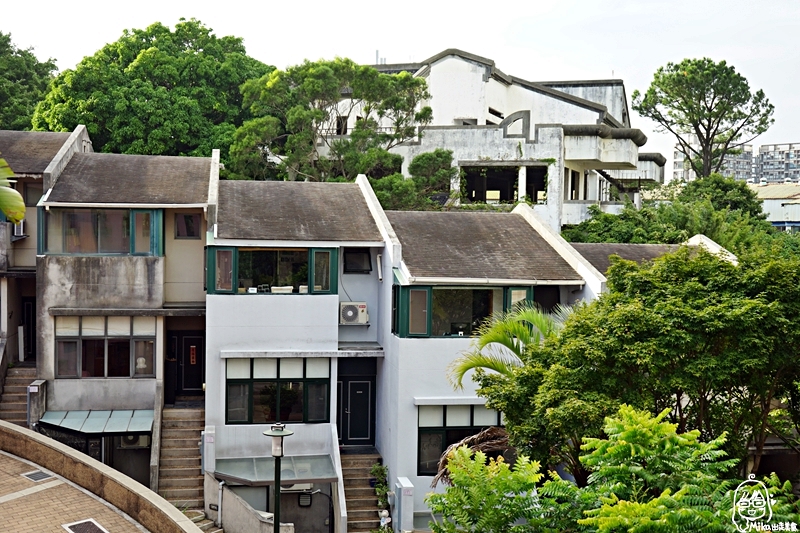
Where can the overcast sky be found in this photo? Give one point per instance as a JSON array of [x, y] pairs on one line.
[[534, 39]]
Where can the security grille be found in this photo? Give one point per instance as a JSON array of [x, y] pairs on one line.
[[37, 475]]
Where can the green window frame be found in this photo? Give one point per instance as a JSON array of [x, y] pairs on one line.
[[252, 385], [407, 302], [322, 275], [439, 426], [144, 229]]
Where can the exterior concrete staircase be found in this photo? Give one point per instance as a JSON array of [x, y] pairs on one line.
[[362, 503], [14, 401], [180, 480], [200, 520]]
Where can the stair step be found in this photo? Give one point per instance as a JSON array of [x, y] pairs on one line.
[[184, 503], [361, 514], [21, 371], [180, 433], [15, 389], [358, 482], [180, 443], [359, 461], [182, 494], [192, 482], [196, 425], [183, 414], [179, 462], [362, 503], [358, 492], [13, 406], [16, 397], [362, 525], [171, 471], [192, 452]]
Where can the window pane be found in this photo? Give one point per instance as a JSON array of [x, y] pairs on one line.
[[237, 401], [418, 312], [113, 231], [93, 326], [322, 270], [224, 270], [119, 358], [79, 232], [292, 268], [238, 369], [431, 447], [357, 260], [483, 417], [518, 296], [187, 226], [291, 402], [317, 402], [257, 268], [67, 359], [141, 234], [119, 326], [460, 311], [318, 368], [265, 402], [143, 357], [93, 358], [430, 416], [67, 326], [144, 325], [265, 368], [291, 368], [458, 415]]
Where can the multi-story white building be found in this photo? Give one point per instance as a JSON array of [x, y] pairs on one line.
[[778, 163], [738, 166]]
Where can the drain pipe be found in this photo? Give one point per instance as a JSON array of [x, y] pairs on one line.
[[219, 504]]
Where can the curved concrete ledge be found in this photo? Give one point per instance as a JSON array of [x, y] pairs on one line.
[[140, 503], [605, 132]]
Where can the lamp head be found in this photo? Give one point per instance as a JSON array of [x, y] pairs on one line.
[[277, 432]]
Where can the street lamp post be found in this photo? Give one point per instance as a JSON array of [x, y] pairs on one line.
[[277, 433]]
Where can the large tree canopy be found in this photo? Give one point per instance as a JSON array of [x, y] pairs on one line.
[[301, 116], [710, 101], [23, 82], [155, 91]]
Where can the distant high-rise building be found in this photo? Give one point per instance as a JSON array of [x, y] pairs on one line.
[[739, 166], [778, 163]]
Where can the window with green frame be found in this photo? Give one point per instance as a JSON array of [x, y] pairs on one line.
[[450, 311], [267, 390], [101, 231], [443, 425], [246, 270]]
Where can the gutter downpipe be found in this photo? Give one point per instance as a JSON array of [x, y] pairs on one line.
[[219, 504]]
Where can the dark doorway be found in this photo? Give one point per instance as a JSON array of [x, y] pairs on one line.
[[491, 184], [547, 296], [186, 351], [29, 327], [355, 413]]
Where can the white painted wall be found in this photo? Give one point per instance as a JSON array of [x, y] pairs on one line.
[[457, 90]]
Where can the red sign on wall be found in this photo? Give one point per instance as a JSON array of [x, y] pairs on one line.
[[193, 355]]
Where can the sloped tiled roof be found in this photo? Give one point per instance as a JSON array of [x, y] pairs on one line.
[[294, 211], [29, 152], [133, 179], [598, 254], [476, 245]]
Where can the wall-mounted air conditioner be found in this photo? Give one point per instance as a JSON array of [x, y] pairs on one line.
[[353, 313], [135, 441], [19, 228], [297, 487]]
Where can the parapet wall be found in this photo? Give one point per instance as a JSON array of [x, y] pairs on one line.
[[140, 503]]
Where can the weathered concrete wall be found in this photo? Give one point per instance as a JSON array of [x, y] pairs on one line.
[[611, 96], [596, 152], [183, 270], [126, 282], [100, 393], [140, 503]]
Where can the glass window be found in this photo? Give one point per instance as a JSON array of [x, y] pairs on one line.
[[357, 260], [517, 297], [144, 325], [224, 270], [461, 311], [141, 234], [103, 347], [430, 416], [418, 312], [99, 231], [277, 271], [458, 415], [299, 395], [187, 226], [322, 270]]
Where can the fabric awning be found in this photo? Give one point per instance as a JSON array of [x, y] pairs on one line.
[[98, 422], [260, 471]]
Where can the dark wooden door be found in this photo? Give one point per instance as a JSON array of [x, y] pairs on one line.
[[191, 362], [356, 410]]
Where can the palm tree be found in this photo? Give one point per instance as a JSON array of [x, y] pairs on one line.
[[11, 202], [500, 341]]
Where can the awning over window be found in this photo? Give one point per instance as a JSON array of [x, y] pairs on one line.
[[260, 471], [98, 422]]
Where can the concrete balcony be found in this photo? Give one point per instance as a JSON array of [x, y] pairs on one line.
[[602, 147]]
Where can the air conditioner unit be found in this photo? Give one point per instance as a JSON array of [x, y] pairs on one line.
[[135, 441], [297, 487], [353, 313], [19, 228]]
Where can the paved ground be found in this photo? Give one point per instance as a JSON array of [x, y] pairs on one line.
[[45, 506]]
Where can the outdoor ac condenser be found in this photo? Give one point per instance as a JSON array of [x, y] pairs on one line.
[[353, 313]]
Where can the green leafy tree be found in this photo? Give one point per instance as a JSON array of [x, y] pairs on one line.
[[708, 100], [155, 91], [429, 185], [11, 202], [485, 497], [300, 117], [23, 82], [723, 193]]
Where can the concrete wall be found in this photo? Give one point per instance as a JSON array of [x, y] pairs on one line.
[[360, 288], [611, 96], [184, 261], [592, 151], [140, 503], [457, 90]]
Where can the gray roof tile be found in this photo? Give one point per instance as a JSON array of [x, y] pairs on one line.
[[598, 253], [459, 244], [133, 179], [294, 211], [29, 152]]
